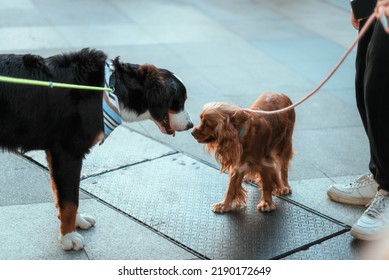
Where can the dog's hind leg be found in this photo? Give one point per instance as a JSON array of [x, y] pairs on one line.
[[286, 154], [235, 196], [65, 179], [285, 188], [285, 158], [270, 180]]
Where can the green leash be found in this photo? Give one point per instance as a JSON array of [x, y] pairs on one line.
[[49, 84]]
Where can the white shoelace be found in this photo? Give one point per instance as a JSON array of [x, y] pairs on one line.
[[378, 205], [361, 181]]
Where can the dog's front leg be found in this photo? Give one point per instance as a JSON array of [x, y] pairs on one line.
[[234, 191], [65, 179]]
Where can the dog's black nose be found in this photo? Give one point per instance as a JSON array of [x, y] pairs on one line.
[[189, 125]]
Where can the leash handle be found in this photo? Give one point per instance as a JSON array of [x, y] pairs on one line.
[[368, 23]]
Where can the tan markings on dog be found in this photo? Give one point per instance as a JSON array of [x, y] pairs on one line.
[[67, 215], [98, 138], [52, 182], [151, 73]]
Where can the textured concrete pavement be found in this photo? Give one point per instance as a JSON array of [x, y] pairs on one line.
[[151, 193]]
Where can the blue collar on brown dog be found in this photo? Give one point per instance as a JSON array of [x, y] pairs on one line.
[[241, 132]]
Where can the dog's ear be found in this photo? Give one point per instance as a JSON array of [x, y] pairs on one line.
[[150, 75], [155, 92], [229, 149]]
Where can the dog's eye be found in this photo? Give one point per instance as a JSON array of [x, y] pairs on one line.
[[177, 105]]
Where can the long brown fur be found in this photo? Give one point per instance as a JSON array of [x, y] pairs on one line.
[[261, 153]]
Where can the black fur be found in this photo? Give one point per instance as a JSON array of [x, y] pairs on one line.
[[39, 118], [66, 122], [147, 88]]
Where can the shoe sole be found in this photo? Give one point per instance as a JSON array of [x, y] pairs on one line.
[[369, 237], [346, 200]]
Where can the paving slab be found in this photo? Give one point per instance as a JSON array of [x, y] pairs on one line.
[[311, 193], [157, 54], [342, 247], [231, 10], [117, 237], [179, 207], [336, 152], [30, 38], [345, 5], [330, 25], [123, 147], [27, 15], [302, 57], [32, 233], [80, 36], [174, 22], [86, 12], [21, 182], [224, 51], [19, 5], [257, 29], [321, 111]]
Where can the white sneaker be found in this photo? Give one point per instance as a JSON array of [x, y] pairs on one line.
[[359, 192], [374, 222]]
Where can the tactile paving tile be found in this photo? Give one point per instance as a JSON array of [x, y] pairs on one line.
[[123, 147], [173, 195], [342, 247]]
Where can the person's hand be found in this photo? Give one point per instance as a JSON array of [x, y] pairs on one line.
[[354, 21], [382, 10]]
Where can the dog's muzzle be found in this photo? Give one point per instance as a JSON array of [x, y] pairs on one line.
[[180, 121]]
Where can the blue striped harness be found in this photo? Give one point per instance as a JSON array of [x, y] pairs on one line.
[[111, 107]]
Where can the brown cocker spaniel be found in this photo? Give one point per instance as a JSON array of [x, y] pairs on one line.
[[250, 146]]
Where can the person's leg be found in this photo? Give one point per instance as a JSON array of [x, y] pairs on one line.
[[374, 223], [363, 188], [377, 101], [360, 66]]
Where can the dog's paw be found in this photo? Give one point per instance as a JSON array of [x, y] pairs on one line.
[[221, 207], [72, 241], [264, 206], [238, 205], [84, 221], [285, 191], [282, 191]]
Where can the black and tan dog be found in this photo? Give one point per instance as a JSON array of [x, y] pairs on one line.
[[66, 123]]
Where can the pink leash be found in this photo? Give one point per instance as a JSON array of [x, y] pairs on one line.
[[361, 33]]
